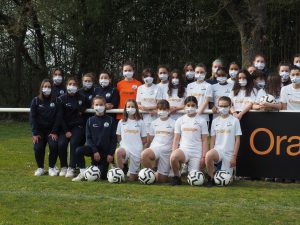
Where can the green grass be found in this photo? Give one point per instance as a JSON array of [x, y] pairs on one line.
[[25, 199]]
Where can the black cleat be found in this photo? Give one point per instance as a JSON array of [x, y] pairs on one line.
[[210, 182], [125, 169], [175, 181]]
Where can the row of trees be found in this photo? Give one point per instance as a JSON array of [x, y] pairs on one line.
[[90, 35]]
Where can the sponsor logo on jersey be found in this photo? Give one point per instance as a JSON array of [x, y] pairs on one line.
[[131, 131]]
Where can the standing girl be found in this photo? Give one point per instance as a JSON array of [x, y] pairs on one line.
[[243, 94], [44, 121], [163, 76], [201, 90], [127, 88], [215, 65], [189, 72], [87, 89], [233, 71], [72, 108], [58, 88], [176, 94], [190, 140], [284, 73], [132, 136], [147, 97]]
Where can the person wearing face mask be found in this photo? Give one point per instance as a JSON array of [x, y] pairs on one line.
[[176, 94], [201, 90], [222, 88], [189, 72], [99, 133], [147, 97], [233, 71], [87, 89], [259, 80], [161, 138], [243, 94], [132, 137], [284, 73], [108, 91], [215, 65], [273, 88], [296, 60], [259, 63], [44, 121], [224, 141], [190, 141], [163, 76], [290, 94], [72, 106], [127, 88], [58, 88]]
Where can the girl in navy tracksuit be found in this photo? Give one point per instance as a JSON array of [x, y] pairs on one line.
[[88, 87], [58, 88], [71, 111], [100, 140], [44, 121]]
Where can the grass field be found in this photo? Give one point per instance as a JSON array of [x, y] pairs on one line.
[[25, 199]]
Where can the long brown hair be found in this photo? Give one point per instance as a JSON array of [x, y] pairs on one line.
[[41, 96], [137, 115], [273, 85], [249, 87], [180, 85]]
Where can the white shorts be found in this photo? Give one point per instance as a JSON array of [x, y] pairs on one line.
[[135, 162], [192, 159], [163, 157], [225, 159]]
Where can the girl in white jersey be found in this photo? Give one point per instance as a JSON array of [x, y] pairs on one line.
[[132, 136], [201, 90], [191, 133], [161, 138], [224, 141], [147, 97], [243, 94], [163, 76], [176, 94]]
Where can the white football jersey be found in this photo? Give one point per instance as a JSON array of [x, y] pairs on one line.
[[240, 101], [291, 97], [164, 88], [175, 101]]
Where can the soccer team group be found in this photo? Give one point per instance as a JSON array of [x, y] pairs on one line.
[[161, 137]]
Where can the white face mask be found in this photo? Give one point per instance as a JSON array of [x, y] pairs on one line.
[[261, 84], [221, 80], [71, 89], [162, 113], [46, 91], [87, 85], [131, 111], [163, 76], [243, 82], [190, 75], [284, 75], [148, 80], [200, 76], [295, 80], [233, 73], [297, 64], [104, 82], [57, 80], [99, 108], [190, 110], [175, 81], [128, 74], [223, 110], [259, 65]]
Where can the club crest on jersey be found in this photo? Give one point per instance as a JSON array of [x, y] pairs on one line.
[[52, 105], [61, 92], [80, 102], [107, 95], [95, 125], [106, 124], [134, 87], [90, 97]]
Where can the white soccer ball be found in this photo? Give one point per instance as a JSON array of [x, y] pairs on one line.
[[267, 98], [147, 176], [222, 178], [195, 178], [92, 173], [115, 175]]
